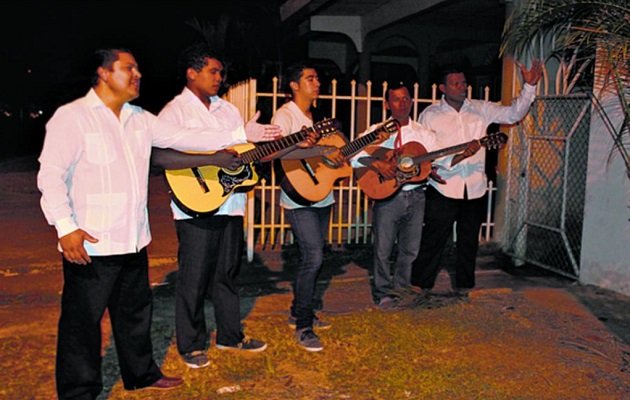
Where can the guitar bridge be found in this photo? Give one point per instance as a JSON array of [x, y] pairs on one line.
[[200, 180], [310, 171]]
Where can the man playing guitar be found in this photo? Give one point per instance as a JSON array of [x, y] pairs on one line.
[[397, 218], [309, 223]]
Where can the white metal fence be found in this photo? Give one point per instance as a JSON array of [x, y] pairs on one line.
[[357, 108]]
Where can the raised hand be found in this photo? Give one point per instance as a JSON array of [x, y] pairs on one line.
[[532, 75], [73, 249], [256, 132]]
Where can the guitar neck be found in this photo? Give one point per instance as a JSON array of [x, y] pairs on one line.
[[265, 149], [356, 145], [439, 153]]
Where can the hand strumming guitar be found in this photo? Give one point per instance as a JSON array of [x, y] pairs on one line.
[[386, 168], [225, 159], [334, 157]]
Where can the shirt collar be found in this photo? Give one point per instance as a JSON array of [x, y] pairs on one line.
[[191, 97], [93, 101], [445, 106]]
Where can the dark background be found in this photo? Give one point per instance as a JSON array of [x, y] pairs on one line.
[[46, 47]]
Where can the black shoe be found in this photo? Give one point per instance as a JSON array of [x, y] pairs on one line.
[[247, 344]]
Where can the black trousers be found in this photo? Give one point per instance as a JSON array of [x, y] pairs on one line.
[[209, 258], [119, 283], [440, 214]]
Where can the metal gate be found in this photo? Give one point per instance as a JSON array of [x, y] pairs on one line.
[[547, 164]]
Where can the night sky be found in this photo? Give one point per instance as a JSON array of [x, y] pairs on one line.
[[46, 44]]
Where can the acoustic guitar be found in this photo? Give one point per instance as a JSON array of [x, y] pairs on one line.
[[202, 190], [310, 180], [413, 165]]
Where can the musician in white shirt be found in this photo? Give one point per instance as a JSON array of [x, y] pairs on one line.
[[459, 197], [210, 246], [94, 169], [396, 219]]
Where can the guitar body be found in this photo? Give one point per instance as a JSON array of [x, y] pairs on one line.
[[311, 179], [378, 188], [202, 190]]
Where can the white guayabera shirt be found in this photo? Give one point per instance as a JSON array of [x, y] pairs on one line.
[[472, 120], [412, 132], [94, 170], [187, 110]]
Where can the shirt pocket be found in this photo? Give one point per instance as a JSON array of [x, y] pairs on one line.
[[106, 211], [98, 150]]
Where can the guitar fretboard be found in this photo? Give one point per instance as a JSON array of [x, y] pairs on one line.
[[265, 149], [356, 145], [489, 141]]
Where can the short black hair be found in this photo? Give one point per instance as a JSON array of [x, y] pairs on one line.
[[394, 86], [448, 69], [194, 56], [293, 73], [105, 58]]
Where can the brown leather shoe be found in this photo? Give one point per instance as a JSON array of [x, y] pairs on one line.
[[166, 383]]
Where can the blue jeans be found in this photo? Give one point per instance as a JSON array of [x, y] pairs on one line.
[[397, 219], [309, 225]]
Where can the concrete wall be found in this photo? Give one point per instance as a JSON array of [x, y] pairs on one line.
[[605, 258]]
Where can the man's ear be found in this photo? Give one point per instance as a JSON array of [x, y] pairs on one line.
[[191, 74], [386, 104], [294, 86], [102, 73], [442, 87]]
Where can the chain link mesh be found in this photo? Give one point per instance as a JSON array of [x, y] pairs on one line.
[[546, 183]]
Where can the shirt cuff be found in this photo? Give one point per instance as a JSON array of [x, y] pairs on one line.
[[65, 226], [238, 135]]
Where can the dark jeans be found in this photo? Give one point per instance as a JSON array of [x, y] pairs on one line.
[[396, 220], [119, 283], [209, 258], [440, 214], [310, 226]]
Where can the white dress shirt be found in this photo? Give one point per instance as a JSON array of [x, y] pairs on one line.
[[291, 119], [94, 170], [187, 110], [454, 128], [412, 132]]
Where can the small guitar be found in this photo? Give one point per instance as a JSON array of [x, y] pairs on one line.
[[413, 165], [202, 190], [311, 179]]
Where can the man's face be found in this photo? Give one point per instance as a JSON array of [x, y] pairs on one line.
[[399, 103], [206, 82], [123, 77], [308, 86], [456, 88]]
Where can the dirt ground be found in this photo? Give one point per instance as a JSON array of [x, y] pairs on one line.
[[519, 335]]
